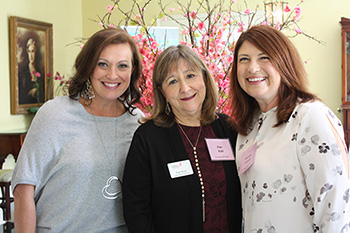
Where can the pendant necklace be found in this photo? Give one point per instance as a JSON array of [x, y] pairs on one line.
[[111, 195], [194, 148]]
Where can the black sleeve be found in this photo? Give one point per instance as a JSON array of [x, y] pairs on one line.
[[137, 188], [234, 198]]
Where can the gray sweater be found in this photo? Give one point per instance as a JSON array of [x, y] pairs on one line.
[[68, 155]]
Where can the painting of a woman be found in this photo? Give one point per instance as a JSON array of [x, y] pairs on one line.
[[31, 85]]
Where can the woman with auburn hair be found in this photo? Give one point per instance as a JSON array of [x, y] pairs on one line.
[[291, 154], [69, 170], [174, 181]]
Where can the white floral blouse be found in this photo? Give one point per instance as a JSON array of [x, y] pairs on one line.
[[299, 181]]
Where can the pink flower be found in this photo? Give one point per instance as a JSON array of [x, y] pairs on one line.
[[37, 74], [179, 8], [297, 30], [111, 26], [110, 8], [234, 1], [247, 11], [193, 14], [165, 19], [201, 25], [184, 32], [154, 44], [297, 10], [49, 75], [264, 23], [171, 9], [306, 62], [101, 24], [287, 9], [278, 26], [58, 76]]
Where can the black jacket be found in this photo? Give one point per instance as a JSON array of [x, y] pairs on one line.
[[155, 203]]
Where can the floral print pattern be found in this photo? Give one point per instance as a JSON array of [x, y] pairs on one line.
[[298, 182]]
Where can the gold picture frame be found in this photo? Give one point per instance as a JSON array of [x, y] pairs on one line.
[[31, 60]]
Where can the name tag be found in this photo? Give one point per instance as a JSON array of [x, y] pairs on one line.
[[179, 169], [219, 149], [248, 158]]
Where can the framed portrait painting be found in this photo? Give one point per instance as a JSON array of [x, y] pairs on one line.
[[31, 57]]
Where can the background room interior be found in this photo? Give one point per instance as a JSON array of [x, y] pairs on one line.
[[76, 19], [319, 19]]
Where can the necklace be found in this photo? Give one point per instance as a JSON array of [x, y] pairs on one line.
[[105, 190], [194, 147]]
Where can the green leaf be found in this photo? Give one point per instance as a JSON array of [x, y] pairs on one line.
[[161, 15], [33, 109], [142, 30]]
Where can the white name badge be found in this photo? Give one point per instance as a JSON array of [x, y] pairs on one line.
[[220, 149], [179, 169]]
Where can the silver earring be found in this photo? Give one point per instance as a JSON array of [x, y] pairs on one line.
[[88, 92], [167, 108]]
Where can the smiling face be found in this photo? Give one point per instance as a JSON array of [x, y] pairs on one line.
[[185, 90], [111, 76], [257, 76]]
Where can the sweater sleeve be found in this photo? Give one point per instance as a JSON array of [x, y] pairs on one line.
[[37, 151], [324, 169]]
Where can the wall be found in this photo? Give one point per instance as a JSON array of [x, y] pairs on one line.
[[73, 19], [320, 19], [66, 17]]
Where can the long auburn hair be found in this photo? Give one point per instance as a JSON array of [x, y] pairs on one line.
[[168, 60], [286, 59], [86, 61]]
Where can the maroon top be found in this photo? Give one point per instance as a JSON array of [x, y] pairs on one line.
[[213, 177]]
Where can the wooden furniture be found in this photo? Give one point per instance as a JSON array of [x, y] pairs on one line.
[[345, 32], [10, 143]]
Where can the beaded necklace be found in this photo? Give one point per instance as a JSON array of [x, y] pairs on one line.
[[197, 165]]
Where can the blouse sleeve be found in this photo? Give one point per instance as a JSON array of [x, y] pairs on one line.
[[324, 168], [137, 188]]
